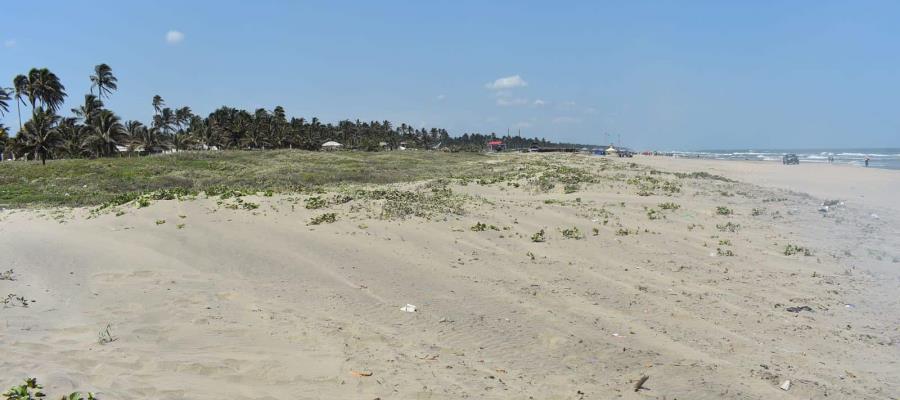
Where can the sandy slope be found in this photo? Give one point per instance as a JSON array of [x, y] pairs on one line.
[[257, 304]]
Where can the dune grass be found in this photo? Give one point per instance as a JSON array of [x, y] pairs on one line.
[[82, 182]]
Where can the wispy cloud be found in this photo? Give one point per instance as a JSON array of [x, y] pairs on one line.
[[174, 37], [538, 103], [440, 97], [9, 43], [508, 82], [511, 101]]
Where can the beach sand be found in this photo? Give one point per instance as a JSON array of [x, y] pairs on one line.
[[208, 302]]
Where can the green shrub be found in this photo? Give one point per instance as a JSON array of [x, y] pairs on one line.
[[315, 202], [722, 210], [669, 206], [478, 227], [538, 237], [31, 390], [324, 218], [728, 227], [572, 233], [791, 249]]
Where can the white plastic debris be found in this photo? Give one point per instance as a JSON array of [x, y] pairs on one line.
[[408, 308], [874, 216], [786, 385]]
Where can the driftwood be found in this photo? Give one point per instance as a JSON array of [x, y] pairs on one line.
[[640, 383]]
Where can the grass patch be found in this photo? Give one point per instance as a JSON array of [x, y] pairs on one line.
[[85, 182], [722, 210]]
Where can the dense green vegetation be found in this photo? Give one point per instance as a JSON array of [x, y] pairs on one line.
[[97, 181], [95, 131]]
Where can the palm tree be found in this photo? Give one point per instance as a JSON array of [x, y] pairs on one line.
[[39, 136], [71, 137], [20, 86], [86, 111], [4, 100], [158, 102], [106, 133], [183, 116], [44, 87], [104, 80]]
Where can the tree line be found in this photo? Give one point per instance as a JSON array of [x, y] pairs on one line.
[[93, 130]]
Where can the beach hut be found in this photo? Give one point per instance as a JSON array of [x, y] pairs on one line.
[[495, 145], [331, 145], [611, 151]]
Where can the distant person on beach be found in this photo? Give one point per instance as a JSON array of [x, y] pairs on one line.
[[830, 159], [867, 161]]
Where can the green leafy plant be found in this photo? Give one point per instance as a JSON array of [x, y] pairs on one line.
[[538, 237], [31, 390], [758, 211], [315, 202], [326, 218], [722, 210], [725, 252], [572, 233], [669, 206], [478, 227], [791, 249], [728, 227], [160, 221]]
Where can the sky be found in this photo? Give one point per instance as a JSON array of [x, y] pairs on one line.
[[667, 75]]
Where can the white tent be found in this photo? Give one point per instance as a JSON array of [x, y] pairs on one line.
[[331, 145]]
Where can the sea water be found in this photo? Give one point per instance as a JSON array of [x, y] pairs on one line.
[[878, 158]]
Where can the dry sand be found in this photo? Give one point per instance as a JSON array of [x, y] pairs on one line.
[[257, 304]]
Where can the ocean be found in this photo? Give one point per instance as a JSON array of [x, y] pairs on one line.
[[888, 158]]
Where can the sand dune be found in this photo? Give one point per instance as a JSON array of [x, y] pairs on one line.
[[256, 303]]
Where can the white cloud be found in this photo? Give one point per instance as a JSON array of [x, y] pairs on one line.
[[511, 101], [440, 97], [174, 37], [508, 82], [9, 43], [566, 120], [539, 102]]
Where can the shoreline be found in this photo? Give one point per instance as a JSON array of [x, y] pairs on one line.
[[872, 187]]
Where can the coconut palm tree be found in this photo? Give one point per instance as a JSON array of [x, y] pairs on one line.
[[183, 116], [39, 136], [104, 80], [158, 103], [92, 105], [20, 86], [71, 137], [45, 88], [5, 97], [106, 133]]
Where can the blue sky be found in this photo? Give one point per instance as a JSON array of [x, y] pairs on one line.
[[662, 74]]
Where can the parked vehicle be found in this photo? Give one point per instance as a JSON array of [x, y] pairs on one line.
[[788, 159]]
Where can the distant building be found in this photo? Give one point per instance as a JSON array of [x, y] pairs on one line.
[[495, 145], [331, 145]]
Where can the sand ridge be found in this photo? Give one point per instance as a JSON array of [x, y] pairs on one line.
[[206, 301]]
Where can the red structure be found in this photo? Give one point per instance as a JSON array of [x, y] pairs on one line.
[[495, 145]]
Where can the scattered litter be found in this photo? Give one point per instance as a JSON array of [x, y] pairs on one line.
[[615, 334], [798, 309], [786, 385], [640, 383], [359, 374], [874, 216], [849, 306], [823, 209], [408, 308]]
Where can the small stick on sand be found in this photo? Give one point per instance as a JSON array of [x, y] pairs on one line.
[[640, 383]]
